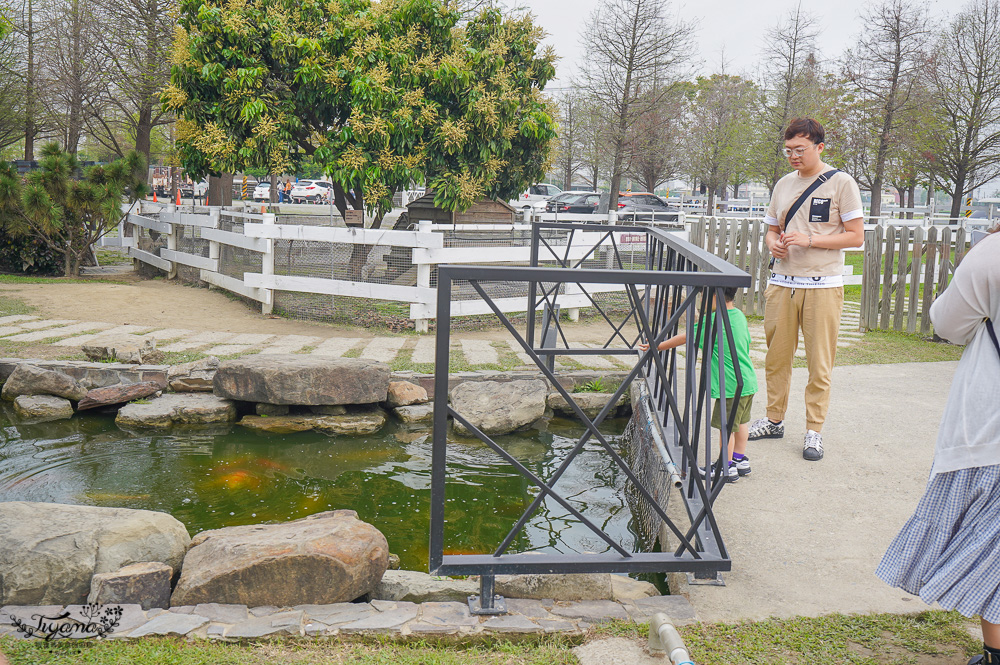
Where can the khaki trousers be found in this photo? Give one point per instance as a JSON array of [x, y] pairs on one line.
[[817, 313]]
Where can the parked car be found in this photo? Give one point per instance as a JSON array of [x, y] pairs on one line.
[[262, 192], [311, 191], [643, 207], [535, 197], [574, 202], [190, 190]]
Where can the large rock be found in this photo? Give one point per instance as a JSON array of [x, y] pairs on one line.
[[130, 349], [404, 393], [193, 377], [146, 584], [412, 586], [42, 408], [302, 379], [49, 552], [177, 409], [417, 413], [350, 424], [329, 557], [590, 403], [117, 394], [31, 380], [497, 407], [580, 586]]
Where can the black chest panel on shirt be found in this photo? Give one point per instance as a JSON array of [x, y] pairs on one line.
[[819, 211]]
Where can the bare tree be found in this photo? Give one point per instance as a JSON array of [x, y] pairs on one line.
[[568, 148], [884, 68], [720, 118], [71, 65], [11, 94], [633, 51], [593, 141], [789, 71], [966, 78], [20, 72], [136, 44], [657, 153]]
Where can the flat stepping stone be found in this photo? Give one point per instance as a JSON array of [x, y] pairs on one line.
[[383, 349], [519, 352], [592, 611], [14, 318], [253, 339], [170, 623], [47, 323], [512, 624], [302, 379], [291, 343], [125, 329], [423, 351], [479, 352], [335, 347], [229, 349], [168, 334], [289, 623], [61, 333], [391, 621], [177, 409], [10, 330]]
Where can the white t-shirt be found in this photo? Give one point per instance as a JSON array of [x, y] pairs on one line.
[[970, 428]]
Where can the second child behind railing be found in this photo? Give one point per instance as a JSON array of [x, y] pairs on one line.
[[738, 463]]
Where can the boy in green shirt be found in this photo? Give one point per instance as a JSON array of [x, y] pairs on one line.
[[739, 463]]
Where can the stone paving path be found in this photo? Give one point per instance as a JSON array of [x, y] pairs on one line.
[[237, 622], [466, 353]]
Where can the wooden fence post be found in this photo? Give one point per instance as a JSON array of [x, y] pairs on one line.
[[886, 301], [918, 252], [930, 261], [901, 273]]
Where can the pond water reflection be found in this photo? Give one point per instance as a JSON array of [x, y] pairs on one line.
[[213, 478]]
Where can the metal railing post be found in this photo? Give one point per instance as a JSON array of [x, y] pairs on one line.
[[487, 602]]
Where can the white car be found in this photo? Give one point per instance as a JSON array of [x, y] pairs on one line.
[[262, 192], [535, 197], [311, 191]]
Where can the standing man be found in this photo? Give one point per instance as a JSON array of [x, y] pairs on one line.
[[815, 213]]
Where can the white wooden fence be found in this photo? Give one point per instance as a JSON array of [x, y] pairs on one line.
[[426, 246]]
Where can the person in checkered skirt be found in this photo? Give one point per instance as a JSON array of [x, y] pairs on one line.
[[949, 550]]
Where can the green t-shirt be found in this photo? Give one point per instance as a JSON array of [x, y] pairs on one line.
[[741, 336]]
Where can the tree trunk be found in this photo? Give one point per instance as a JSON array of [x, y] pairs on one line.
[[143, 130], [220, 190], [911, 196], [958, 199], [273, 197], [29, 90]]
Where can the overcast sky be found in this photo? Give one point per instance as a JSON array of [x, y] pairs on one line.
[[733, 26]]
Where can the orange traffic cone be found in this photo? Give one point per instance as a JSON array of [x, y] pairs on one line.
[[178, 196], [154, 196], [262, 209]]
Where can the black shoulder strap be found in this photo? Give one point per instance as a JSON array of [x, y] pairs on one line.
[[993, 334], [823, 177]]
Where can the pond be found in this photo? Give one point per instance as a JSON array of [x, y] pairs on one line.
[[214, 478]]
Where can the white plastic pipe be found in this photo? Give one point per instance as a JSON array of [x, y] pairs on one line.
[[663, 637]]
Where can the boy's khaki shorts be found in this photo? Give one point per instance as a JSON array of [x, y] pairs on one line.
[[742, 411]]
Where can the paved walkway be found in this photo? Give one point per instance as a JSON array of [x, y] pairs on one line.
[[413, 350], [237, 622]]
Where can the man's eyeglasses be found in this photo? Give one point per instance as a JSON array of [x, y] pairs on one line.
[[798, 152]]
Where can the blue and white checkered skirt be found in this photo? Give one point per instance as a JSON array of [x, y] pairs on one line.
[[949, 550]]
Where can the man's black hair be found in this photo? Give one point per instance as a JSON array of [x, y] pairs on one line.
[[730, 293]]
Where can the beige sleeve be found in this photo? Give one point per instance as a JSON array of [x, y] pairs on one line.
[[849, 200]]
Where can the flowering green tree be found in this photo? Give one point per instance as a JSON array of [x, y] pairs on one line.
[[68, 214], [381, 94]]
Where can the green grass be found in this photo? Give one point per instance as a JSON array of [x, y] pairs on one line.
[[547, 651], [14, 306], [30, 279], [932, 637], [885, 347], [837, 639]]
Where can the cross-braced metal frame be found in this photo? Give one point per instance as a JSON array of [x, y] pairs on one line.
[[672, 292]]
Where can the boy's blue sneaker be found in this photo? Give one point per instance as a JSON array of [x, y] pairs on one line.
[[731, 474], [762, 428], [742, 466]]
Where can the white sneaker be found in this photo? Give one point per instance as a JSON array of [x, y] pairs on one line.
[[812, 448]]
